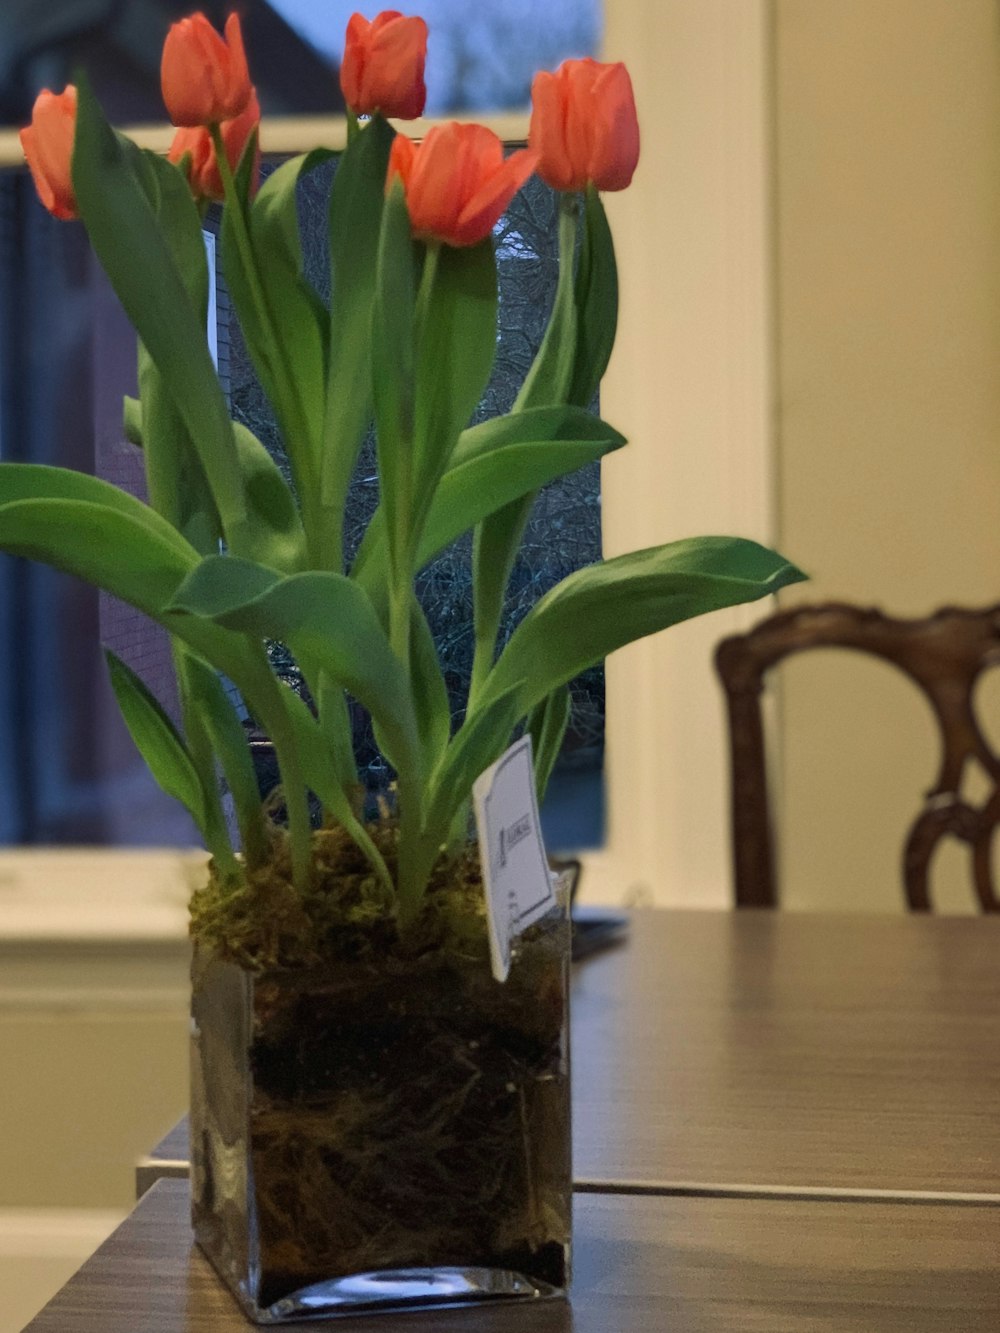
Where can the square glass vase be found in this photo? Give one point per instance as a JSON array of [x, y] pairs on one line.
[[380, 1133]]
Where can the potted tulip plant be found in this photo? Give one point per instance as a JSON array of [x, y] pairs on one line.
[[378, 1117]]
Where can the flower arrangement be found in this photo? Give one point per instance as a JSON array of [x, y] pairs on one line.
[[375, 1118], [408, 341]]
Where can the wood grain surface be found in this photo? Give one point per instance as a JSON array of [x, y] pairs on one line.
[[770, 1051], [643, 1265], [804, 1051]]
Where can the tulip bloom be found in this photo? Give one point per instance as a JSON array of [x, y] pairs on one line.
[[584, 126], [457, 181], [383, 65], [204, 78], [48, 147], [202, 167]]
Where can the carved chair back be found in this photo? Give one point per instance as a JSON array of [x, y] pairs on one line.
[[944, 655]]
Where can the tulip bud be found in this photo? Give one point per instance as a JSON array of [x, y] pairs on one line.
[[204, 78], [48, 147], [383, 65], [584, 126], [457, 181], [202, 168]]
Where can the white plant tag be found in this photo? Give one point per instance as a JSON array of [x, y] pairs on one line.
[[519, 887]]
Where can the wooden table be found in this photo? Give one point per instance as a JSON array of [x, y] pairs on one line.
[[643, 1265], [771, 1052], [799, 1051], [783, 1123]]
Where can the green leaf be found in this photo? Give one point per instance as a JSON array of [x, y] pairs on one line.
[[533, 425], [326, 620], [157, 740], [492, 464], [494, 549], [479, 742], [275, 209], [320, 772], [547, 724], [596, 297], [37, 481], [430, 692], [277, 537], [599, 609], [457, 334], [123, 230], [283, 321], [229, 741], [176, 483], [355, 219], [132, 420], [106, 546], [180, 223], [175, 479]]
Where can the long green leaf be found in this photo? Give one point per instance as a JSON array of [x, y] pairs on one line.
[[320, 773], [430, 692], [283, 322], [203, 756], [229, 741], [492, 464], [124, 555], [119, 545], [325, 619], [37, 481], [479, 742], [104, 545], [175, 479], [547, 724], [157, 740], [604, 606], [124, 233], [169, 196], [457, 333], [355, 218], [277, 537]]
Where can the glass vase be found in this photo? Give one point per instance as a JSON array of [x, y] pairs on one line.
[[385, 1131]]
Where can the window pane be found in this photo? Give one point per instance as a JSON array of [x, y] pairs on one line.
[[481, 56]]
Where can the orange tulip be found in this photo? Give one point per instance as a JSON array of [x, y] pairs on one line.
[[584, 127], [204, 78], [383, 65], [202, 168], [457, 181], [48, 146]]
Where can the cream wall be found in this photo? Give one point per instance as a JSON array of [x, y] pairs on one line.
[[690, 385], [887, 281]]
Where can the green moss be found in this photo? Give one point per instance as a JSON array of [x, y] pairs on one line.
[[265, 923]]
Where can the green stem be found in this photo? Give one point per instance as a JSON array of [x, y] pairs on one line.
[[406, 535]]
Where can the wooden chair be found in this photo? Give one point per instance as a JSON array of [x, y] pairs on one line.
[[943, 655]]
